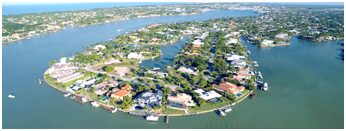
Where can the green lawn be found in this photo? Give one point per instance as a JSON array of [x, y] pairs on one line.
[[209, 106], [172, 111]]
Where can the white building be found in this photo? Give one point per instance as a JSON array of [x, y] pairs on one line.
[[207, 95], [267, 42], [134, 55], [235, 57], [197, 42], [187, 70], [99, 47]]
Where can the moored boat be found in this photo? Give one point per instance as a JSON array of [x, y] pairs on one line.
[[11, 96], [265, 86], [67, 94], [114, 110], [95, 104], [152, 118]]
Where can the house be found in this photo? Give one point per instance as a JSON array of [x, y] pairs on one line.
[[123, 91], [150, 99], [83, 83], [134, 55], [99, 47], [207, 95], [267, 43], [281, 36], [232, 41], [239, 63], [70, 77], [230, 88], [197, 42], [157, 73], [234, 57], [180, 101], [188, 70]]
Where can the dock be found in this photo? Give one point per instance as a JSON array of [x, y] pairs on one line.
[[167, 119]]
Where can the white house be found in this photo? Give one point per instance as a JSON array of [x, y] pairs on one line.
[[207, 95], [197, 42], [235, 57], [187, 70], [232, 41], [134, 55], [99, 47], [267, 42]]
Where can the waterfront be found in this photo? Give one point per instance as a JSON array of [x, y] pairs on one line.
[[312, 99]]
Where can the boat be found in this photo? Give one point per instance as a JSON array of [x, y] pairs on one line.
[[228, 109], [67, 94], [84, 99], [167, 120], [259, 74], [221, 113], [255, 63], [265, 86], [95, 104], [152, 118], [248, 52], [39, 81], [118, 30], [11, 96], [114, 110]]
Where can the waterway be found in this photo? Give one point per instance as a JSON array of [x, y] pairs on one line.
[[305, 84], [168, 54]]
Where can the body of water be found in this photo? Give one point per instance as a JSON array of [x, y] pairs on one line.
[[305, 84], [40, 106], [15, 9], [168, 54]]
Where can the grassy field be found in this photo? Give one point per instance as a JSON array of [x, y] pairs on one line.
[[209, 106], [172, 111]]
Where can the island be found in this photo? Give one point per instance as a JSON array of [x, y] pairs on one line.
[[210, 73]]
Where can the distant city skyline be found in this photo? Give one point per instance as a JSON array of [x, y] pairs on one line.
[[28, 2]]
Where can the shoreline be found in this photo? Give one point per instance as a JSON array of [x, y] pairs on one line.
[[161, 115], [81, 26]]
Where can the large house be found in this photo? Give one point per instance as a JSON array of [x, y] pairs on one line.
[[180, 101], [230, 88], [123, 91], [207, 95], [188, 70], [150, 99], [134, 55], [64, 72]]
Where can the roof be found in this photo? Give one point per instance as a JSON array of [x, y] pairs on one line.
[[121, 93], [230, 87]]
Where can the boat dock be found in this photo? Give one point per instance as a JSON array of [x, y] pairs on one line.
[[167, 119], [223, 110]]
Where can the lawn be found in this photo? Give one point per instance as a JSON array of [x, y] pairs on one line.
[[209, 106]]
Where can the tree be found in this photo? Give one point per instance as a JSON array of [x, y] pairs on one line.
[[126, 103], [203, 82], [109, 68]]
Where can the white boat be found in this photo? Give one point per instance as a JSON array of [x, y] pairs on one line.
[[67, 94], [265, 86], [152, 118], [228, 109], [95, 104], [114, 110], [84, 99], [11, 96], [248, 52], [118, 30], [222, 113]]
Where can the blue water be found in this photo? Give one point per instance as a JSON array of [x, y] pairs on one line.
[[40, 106], [13, 9]]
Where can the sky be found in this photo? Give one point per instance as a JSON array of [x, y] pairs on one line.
[[6, 2]]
